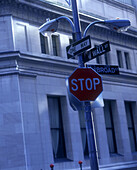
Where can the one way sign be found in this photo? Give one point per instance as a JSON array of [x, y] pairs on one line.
[[78, 47]]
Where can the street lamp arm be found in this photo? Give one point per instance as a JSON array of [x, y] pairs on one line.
[[69, 20], [90, 25], [52, 25], [117, 25]]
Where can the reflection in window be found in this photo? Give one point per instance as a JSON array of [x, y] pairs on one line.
[[83, 133], [119, 58], [131, 127], [107, 58], [99, 58], [127, 60], [56, 125], [70, 41], [44, 44], [55, 45], [110, 126]]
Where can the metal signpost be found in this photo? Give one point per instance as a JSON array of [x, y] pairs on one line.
[[97, 51], [87, 107]]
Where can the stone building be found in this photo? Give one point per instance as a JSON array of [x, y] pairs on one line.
[[37, 124]]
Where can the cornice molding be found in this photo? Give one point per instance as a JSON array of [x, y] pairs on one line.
[[23, 62], [38, 12], [119, 4], [24, 11], [103, 34], [15, 62], [124, 79]]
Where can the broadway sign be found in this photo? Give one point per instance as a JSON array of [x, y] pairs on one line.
[[105, 69]]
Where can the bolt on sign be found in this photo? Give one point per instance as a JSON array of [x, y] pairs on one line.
[[85, 84]]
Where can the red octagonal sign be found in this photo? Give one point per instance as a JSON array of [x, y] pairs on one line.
[[85, 84]]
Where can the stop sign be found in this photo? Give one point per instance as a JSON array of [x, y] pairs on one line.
[[85, 84]]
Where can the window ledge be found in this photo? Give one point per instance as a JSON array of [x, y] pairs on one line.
[[59, 160], [116, 155]]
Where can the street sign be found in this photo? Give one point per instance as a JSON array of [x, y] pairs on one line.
[[105, 69], [78, 47], [97, 51], [85, 84]]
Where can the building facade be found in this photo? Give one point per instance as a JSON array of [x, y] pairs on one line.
[[38, 127]]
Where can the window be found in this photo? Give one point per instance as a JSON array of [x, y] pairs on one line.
[[107, 58], [125, 1], [55, 45], [127, 60], [110, 126], [83, 133], [56, 125], [119, 58], [44, 44], [131, 127], [70, 41], [99, 58]]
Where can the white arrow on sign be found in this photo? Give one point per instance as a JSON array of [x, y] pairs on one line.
[[72, 50], [78, 47]]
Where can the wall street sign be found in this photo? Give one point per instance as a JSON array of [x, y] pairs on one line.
[[97, 51]]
